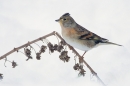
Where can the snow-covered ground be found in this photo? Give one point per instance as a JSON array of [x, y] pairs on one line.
[[24, 20]]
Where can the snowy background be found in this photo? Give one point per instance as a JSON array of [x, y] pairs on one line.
[[24, 20]]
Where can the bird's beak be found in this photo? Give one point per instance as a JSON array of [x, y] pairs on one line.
[[57, 20]]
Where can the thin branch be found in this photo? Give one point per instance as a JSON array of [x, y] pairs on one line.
[[43, 37], [24, 45], [80, 57]]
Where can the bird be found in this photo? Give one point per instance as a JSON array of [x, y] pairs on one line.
[[79, 37]]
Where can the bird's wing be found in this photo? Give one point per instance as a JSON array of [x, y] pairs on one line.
[[85, 34]]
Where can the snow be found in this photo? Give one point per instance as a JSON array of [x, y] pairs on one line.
[[25, 20]]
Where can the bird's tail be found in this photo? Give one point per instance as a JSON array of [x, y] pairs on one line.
[[112, 43], [107, 42]]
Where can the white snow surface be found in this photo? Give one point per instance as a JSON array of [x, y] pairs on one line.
[[25, 20]]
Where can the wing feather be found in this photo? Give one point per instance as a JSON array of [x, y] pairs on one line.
[[85, 34]]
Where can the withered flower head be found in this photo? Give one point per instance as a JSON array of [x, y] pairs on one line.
[[59, 48], [55, 46], [1, 76], [63, 43], [38, 56], [14, 64], [81, 67], [29, 57], [51, 48], [28, 53], [82, 72], [76, 66], [64, 57], [64, 53], [67, 58], [50, 45], [43, 48]]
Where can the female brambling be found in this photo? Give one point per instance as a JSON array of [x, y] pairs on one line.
[[79, 37]]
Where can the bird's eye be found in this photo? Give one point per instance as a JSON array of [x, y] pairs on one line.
[[64, 19]]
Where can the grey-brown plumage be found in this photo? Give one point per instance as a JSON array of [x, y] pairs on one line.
[[79, 37]]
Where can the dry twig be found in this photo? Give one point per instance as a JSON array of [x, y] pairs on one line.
[[55, 47]]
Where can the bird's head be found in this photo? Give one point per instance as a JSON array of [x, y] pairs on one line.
[[66, 21]]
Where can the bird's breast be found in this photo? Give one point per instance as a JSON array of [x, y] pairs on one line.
[[71, 37], [69, 32]]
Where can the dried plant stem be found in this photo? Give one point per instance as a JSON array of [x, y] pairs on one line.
[[24, 45], [37, 45], [80, 57], [43, 37]]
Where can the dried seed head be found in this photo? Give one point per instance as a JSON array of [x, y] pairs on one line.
[[50, 45], [76, 66], [63, 43], [81, 67], [1, 76], [38, 56], [55, 46], [64, 57], [27, 53], [51, 48], [82, 72], [29, 57], [67, 58], [64, 53], [61, 57], [14, 64], [43, 48], [59, 48]]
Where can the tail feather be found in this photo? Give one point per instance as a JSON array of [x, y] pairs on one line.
[[107, 42], [112, 43]]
